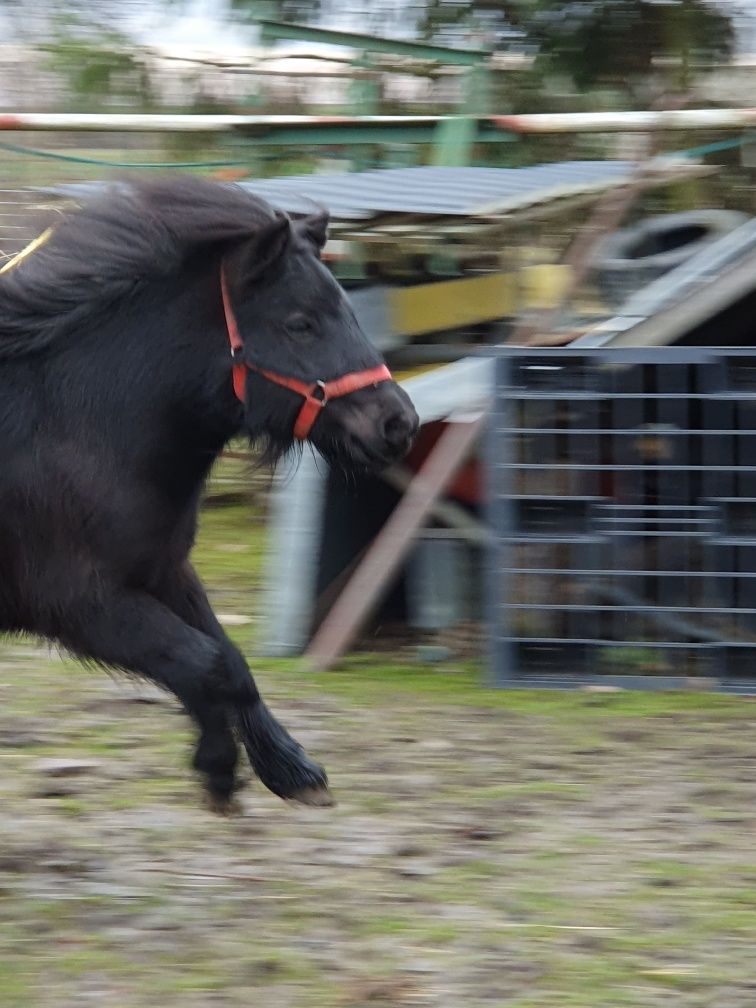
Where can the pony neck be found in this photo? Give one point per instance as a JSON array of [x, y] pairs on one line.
[[157, 373]]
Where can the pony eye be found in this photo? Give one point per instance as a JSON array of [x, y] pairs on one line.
[[298, 325]]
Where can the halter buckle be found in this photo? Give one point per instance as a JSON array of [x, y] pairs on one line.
[[319, 393]]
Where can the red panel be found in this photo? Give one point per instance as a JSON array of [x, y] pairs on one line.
[[467, 485]]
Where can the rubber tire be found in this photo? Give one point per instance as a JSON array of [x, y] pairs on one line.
[[630, 258]]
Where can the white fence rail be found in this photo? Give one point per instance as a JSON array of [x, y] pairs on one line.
[[562, 122]]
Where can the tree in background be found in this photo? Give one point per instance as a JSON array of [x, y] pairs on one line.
[[294, 11], [622, 43], [619, 44], [629, 50], [100, 65], [88, 48]]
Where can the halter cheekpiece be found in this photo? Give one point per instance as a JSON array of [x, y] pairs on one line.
[[316, 394]]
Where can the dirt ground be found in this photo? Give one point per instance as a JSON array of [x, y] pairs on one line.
[[547, 851], [519, 849]]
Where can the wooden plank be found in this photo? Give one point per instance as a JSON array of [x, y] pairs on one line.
[[382, 559], [449, 304], [445, 511]]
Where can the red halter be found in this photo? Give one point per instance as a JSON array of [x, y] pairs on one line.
[[315, 394]]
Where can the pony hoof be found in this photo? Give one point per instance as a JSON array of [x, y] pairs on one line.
[[316, 797], [223, 805]]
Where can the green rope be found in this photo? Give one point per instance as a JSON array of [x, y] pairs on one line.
[[718, 145], [692, 152], [72, 159]]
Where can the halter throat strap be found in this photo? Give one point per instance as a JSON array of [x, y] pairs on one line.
[[315, 394]]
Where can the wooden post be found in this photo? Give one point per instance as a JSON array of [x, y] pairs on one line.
[[373, 576], [607, 215], [454, 516]]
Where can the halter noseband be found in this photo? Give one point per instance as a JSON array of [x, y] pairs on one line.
[[315, 394]]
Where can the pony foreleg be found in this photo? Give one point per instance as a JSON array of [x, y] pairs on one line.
[[135, 632], [278, 760]]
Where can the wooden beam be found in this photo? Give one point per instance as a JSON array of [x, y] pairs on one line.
[[607, 215], [454, 516], [382, 559], [450, 304]]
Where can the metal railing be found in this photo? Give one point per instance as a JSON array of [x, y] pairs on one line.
[[96, 145], [623, 500]]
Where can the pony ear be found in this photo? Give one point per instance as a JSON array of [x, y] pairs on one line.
[[315, 229], [266, 247]]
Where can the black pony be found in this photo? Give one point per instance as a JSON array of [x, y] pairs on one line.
[[150, 327]]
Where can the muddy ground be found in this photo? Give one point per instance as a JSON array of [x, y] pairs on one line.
[[489, 849]]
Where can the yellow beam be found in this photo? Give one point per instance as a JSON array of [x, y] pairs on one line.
[[451, 304]]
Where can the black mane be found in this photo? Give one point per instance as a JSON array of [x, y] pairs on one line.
[[134, 232]]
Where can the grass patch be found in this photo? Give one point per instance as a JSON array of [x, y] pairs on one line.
[[230, 549], [15, 986]]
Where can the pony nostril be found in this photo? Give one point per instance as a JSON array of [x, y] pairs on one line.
[[398, 430]]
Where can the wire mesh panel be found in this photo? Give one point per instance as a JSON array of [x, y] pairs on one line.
[[622, 487]]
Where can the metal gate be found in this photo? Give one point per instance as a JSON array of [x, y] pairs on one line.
[[622, 488]]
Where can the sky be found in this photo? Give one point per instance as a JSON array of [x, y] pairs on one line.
[[209, 26], [208, 23]]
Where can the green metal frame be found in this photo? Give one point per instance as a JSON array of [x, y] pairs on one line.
[[453, 140], [338, 134], [274, 31]]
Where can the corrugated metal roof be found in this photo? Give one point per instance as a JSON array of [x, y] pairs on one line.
[[437, 191], [430, 191]]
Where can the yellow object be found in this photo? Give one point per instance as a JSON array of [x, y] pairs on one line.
[[450, 304], [27, 250], [415, 372], [542, 285]]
